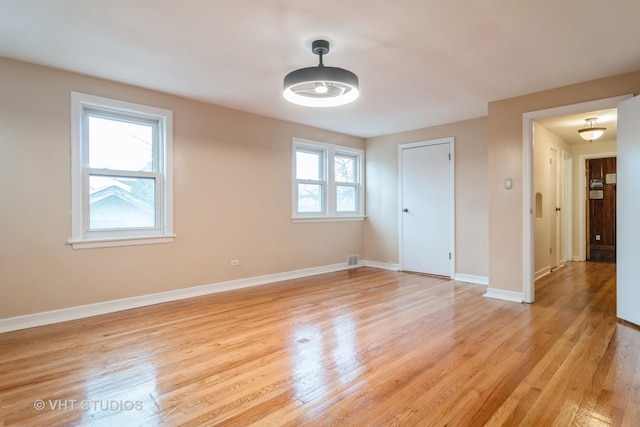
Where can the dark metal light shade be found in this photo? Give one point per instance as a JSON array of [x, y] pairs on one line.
[[321, 86]]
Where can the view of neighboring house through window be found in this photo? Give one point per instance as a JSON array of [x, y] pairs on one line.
[[121, 172], [327, 180], [122, 181]]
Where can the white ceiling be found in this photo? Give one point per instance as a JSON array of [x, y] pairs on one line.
[[566, 127], [420, 62]]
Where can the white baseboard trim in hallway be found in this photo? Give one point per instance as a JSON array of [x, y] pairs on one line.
[[469, 278], [505, 295]]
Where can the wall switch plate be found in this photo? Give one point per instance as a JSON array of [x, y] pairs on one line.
[[597, 237], [508, 183]]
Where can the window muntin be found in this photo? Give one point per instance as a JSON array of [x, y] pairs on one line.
[[121, 174], [327, 180]]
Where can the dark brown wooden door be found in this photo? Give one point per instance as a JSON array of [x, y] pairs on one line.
[[601, 208]]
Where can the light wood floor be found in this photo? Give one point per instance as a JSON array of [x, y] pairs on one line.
[[362, 347]]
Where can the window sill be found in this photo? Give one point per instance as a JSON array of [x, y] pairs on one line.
[[128, 241], [298, 219]]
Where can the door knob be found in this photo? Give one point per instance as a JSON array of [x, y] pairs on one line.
[[405, 210]]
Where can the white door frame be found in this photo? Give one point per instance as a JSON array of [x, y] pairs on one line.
[[527, 177], [452, 211], [555, 241], [567, 202]]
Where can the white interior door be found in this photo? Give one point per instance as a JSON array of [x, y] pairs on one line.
[[427, 206], [628, 206]]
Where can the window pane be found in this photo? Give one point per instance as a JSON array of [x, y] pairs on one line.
[[309, 165], [120, 145], [346, 198], [121, 202], [345, 168], [310, 198]]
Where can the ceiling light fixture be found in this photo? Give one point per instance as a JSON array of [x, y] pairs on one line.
[[321, 86], [591, 131]]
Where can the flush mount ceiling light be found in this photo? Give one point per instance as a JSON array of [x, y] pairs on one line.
[[321, 86], [591, 131]]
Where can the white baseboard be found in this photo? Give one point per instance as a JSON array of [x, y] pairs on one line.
[[79, 312], [469, 278], [89, 310], [382, 265], [505, 295], [541, 273]]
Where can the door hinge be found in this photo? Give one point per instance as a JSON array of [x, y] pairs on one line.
[[449, 156], [449, 255]]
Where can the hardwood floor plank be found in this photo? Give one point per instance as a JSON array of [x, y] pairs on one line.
[[351, 348]]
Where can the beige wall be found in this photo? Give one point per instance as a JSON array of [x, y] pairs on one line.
[[505, 160], [232, 194], [232, 199], [381, 229]]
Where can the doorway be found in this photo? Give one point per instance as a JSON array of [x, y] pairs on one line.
[[555, 209], [528, 194], [427, 206], [549, 185], [601, 178], [583, 195]]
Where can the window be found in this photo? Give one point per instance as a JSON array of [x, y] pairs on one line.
[[327, 181], [121, 173]]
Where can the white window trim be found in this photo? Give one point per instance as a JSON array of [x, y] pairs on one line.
[[329, 212], [163, 233]]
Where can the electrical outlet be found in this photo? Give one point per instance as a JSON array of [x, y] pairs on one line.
[[235, 262], [597, 237]]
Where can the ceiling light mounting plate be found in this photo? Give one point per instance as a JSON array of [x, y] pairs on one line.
[[320, 47]]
